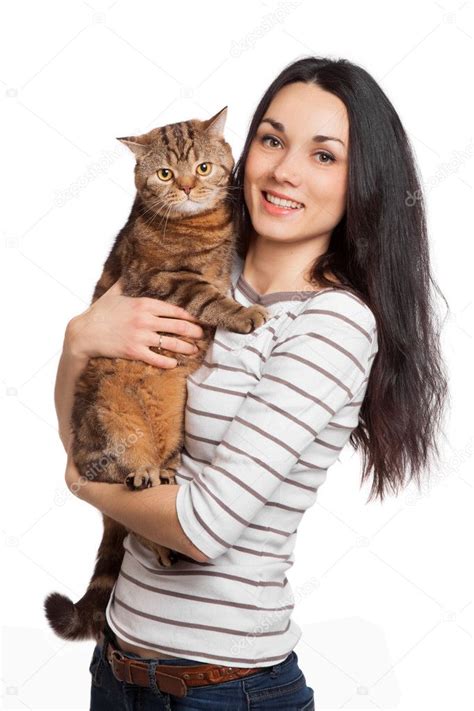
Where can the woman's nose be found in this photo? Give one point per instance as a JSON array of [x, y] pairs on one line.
[[287, 169]]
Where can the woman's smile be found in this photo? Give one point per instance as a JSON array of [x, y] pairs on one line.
[[279, 207]]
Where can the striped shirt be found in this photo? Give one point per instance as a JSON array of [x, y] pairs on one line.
[[267, 413]]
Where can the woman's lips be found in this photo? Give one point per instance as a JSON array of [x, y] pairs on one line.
[[276, 209]]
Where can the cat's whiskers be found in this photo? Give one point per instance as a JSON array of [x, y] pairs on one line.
[[229, 190], [161, 217], [165, 203], [159, 203], [167, 217]]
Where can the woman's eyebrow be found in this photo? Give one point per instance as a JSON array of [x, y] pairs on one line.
[[279, 127]]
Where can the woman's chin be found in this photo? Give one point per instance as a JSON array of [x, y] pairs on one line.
[[273, 227]]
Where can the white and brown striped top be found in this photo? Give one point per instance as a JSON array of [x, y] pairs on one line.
[[267, 413]]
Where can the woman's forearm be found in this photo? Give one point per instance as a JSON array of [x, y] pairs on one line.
[[150, 512], [71, 364]]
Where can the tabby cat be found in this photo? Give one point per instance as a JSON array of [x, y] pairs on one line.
[[128, 417]]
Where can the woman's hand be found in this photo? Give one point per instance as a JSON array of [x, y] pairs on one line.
[[118, 326]]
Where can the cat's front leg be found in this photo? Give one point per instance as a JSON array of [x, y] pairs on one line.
[[232, 316], [204, 301]]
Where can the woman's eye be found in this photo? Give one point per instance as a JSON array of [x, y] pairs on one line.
[[271, 138], [326, 155]]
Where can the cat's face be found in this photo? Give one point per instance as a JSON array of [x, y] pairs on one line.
[[183, 168]]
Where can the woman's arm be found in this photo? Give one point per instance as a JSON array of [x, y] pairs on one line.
[[316, 367], [71, 365], [149, 512], [118, 326]]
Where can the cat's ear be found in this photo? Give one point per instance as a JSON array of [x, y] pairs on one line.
[[136, 144], [215, 125]]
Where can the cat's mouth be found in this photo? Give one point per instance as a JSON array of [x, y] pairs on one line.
[[191, 205]]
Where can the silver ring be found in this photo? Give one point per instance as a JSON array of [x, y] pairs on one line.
[[159, 342]]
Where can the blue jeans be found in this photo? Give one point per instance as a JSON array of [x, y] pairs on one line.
[[280, 687]]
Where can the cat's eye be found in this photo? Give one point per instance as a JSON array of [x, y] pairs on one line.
[[204, 168], [164, 174]]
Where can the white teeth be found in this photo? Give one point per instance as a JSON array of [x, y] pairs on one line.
[[282, 203]]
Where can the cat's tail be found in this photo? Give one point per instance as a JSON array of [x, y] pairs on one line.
[[85, 619]]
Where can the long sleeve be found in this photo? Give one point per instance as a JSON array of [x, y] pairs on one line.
[[317, 365]]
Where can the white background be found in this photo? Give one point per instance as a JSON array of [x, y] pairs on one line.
[[384, 591]]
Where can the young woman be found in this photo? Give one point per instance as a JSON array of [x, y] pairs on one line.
[[332, 244]]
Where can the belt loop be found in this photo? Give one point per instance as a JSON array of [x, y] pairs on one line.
[[152, 677], [128, 672], [275, 670]]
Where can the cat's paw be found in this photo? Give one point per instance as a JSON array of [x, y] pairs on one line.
[[168, 476], [164, 556], [142, 478], [251, 318]]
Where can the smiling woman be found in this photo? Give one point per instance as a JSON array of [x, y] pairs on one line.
[[328, 243]]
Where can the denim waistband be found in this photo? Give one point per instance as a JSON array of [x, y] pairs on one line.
[[111, 636]]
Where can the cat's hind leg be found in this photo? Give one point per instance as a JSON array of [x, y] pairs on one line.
[[164, 400], [129, 436]]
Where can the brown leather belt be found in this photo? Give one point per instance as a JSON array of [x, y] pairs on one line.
[[171, 679]]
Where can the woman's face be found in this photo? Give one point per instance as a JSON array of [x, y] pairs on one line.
[[286, 160]]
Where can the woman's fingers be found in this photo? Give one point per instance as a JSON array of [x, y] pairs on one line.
[[178, 326], [121, 326], [156, 307], [160, 308], [158, 361], [171, 343]]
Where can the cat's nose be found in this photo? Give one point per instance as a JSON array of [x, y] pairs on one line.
[[186, 183]]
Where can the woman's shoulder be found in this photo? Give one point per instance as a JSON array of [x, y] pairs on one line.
[[339, 303], [332, 323]]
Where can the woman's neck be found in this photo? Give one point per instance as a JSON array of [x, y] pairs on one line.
[[270, 267]]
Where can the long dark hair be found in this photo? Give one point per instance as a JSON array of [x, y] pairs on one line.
[[379, 250]]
